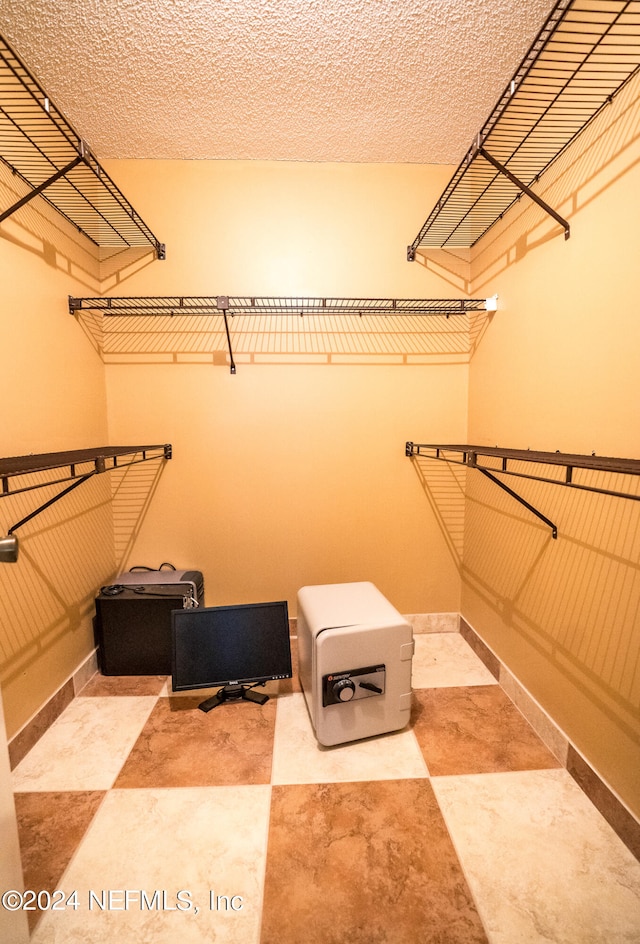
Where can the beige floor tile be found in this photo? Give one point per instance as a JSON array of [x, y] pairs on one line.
[[446, 660], [86, 746], [194, 847], [542, 863], [298, 758]]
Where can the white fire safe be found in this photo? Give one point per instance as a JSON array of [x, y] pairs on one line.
[[355, 654]]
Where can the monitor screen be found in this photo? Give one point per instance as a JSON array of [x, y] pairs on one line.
[[230, 645]]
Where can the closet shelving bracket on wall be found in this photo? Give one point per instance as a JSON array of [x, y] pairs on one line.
[[582, 57], [229, 305], [44, 151], [530, 464], [75, 466]]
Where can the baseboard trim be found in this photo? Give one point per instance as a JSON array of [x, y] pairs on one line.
[[603, 797], [433, 622], [22, 742]]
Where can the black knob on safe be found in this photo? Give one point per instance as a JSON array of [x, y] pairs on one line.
[[344, 689]]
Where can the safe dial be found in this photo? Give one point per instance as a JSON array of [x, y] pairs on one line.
[[344, 689]]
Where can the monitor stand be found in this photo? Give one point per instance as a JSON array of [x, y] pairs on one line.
[[233, 693]]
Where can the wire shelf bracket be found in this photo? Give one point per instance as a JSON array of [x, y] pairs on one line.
[[585, 53], [102, 459], [529, 192], [43, 150], [484, 460]]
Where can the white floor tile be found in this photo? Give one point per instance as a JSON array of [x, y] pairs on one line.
[[444, 660], [86, 746], [298, 758], [202, 850], [542, 863]]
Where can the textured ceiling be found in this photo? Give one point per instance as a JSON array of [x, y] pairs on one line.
[[306, 80]]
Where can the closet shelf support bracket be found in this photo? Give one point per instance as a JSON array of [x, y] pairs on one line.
[[52, 501], [43, 186], [523, 187], [518, 498], [222, 302]]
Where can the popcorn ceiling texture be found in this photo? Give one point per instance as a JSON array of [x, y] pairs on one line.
[[304, 80]]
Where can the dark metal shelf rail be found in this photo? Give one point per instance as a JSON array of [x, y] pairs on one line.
[[215, 304], [48, 155], [475, 457], [260, 305], [582, 57], [81, 465]]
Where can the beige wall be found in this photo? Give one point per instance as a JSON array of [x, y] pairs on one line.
[[557, 369], [292, 471], [54, 399], [287, 473]]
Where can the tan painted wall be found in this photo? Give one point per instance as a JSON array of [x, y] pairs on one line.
[[558, 369], [287, 473], [54, 399], [291, 472]]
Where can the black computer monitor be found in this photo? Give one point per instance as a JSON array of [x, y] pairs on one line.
[[235, 647]]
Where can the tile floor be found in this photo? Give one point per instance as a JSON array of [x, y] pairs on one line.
[[160, 823]]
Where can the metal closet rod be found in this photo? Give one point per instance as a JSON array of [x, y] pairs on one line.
[[228, 305], [104, 459], [474, 457]]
